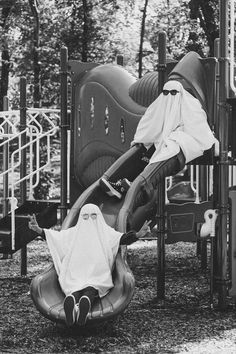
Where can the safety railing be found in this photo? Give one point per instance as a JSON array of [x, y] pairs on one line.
[[41, 125]]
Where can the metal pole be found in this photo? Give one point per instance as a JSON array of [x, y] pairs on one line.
[[120, 60], [23, 191], [161, 243], [216, 166], [5, 162], [5, 167], [223, 158], [161, 186], [64, 129], [204, 196], [216, 103], [161, 68]]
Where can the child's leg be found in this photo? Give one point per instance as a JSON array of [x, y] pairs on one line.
[[77, 295], [91, 293], [86, 301]]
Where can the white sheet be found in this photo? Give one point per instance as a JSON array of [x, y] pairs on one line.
[[84, 254], [175, 121]]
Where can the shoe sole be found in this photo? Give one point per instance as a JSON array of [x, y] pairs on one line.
[[83, 311], [69, 308], [109, 189]]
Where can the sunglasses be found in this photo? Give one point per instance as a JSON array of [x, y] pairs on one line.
[[86, 216], [172, 92]]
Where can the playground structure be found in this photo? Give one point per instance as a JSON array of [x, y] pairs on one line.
[[20, 143], [107, 103]]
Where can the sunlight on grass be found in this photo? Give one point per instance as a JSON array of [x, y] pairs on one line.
[[224, 345]]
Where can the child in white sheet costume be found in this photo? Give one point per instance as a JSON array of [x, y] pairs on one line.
[[174, 121], [83, 256]]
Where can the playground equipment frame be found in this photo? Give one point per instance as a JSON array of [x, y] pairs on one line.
[[221, 167]]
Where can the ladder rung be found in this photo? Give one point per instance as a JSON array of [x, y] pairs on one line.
[[5, 233]]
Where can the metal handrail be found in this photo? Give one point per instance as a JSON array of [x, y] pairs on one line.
[[28, 176], [35, 134], [32, 113]]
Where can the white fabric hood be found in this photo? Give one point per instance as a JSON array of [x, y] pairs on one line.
[[84, 254], [172, 122]]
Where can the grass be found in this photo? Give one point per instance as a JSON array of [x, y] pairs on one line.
[[185, 324]]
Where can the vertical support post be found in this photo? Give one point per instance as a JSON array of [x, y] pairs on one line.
[[222, 276], [64, 129], [120, 60], [161, 187], [5, 162], [161, 68], [216, 167], [23, 191], [161, 243], [5, 167], [216, 103], [203, 194]]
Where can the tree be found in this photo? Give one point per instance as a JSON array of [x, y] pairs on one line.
[[173, 18], [140, 54], [88, 28], [207, 11], [35, 49], [93, 30], [5, 56], [38, 61]]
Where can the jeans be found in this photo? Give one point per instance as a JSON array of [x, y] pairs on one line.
[[90, 292]]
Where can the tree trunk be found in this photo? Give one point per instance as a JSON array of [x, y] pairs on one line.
[[4, 76], [205, 12], [84, 54], [5, 59], [140, 54], [36, 66]]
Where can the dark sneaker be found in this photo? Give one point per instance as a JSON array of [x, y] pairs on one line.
[[110, 188], [69, 308], [84, 306], [125, 184]]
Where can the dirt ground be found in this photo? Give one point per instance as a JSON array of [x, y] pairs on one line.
[[185, 324]]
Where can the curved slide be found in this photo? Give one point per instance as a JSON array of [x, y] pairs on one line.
[[138, 205]]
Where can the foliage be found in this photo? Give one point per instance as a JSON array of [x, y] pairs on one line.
[[99, 31], [43, 188], [49, 50], [96, 31], [207, 12], [46, 183], [4, 79], [173, 18]]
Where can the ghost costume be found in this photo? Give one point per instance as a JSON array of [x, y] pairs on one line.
[[84, 254], [172, 122]]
